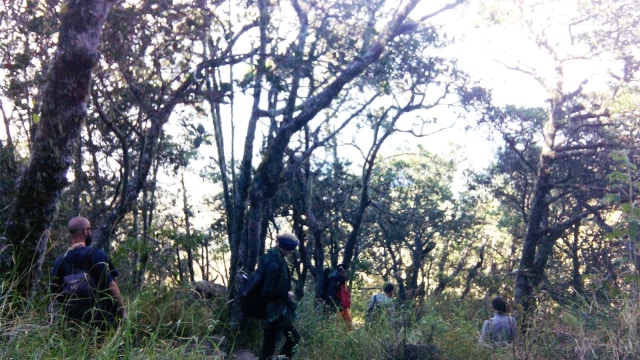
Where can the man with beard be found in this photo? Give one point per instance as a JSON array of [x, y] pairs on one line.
[[83, 282]]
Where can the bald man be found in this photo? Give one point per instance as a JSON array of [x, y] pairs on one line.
[[106, 304]]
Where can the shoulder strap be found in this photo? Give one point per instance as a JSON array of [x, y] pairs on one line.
[[86, 262], [63, 264], [60, 265], [282, 265]]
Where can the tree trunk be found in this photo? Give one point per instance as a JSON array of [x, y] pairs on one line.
[[576, 276], [529, 274], [63, 112]]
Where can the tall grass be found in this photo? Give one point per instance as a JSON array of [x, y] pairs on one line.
[[164, 324], [174, 324]]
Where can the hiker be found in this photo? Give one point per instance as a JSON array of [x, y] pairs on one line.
[[338, 295], [501, 328], [102, 302], [379, 302], [281, 305]]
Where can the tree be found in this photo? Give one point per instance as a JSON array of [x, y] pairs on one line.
[[27, 47], [62, 113], [418, 229], [147, 76], [576, 126], [175, 57], [574, 182], [623, 190]]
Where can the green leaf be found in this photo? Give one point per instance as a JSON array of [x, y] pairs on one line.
[[633, 229], [632, 278], [618, 176], [616, 233], [611, 199]]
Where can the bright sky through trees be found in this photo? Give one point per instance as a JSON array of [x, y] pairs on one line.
[[490, 52]]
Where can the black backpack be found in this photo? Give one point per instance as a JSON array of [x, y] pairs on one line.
[[252, 303], [77, 283], [77, 289], [325, 285]]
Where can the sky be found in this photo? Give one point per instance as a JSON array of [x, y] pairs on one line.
[[483, 51], [474, 49], [478, 48]]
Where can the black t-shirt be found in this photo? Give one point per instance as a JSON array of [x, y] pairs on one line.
[[102, 273], [100, 268]]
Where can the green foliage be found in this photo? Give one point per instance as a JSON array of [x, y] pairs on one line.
[[418, 226], [625, 188]]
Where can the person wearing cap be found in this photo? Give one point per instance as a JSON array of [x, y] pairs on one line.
[[338, 295], [107, 303], [501, 329], [280, 299]]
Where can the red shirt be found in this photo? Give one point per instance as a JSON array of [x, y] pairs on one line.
[[345, 297]]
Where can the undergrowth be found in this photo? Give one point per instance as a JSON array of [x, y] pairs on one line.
[[175, 324]]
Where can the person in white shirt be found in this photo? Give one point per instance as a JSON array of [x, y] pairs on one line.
[[501, 329], [379, 301]]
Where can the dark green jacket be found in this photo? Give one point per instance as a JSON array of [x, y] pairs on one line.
[[277, 284]]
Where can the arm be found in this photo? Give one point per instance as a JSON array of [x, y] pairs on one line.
[[103, 271], [513, 327], [114, 290], [485, 331], [345, 296], [372, 303]]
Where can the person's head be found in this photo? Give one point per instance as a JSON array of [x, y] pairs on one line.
[[499, 304], [287, 243], [80, 230], [343, 271], [388, 289]]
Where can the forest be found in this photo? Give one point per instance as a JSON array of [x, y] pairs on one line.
[[191, 133]]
